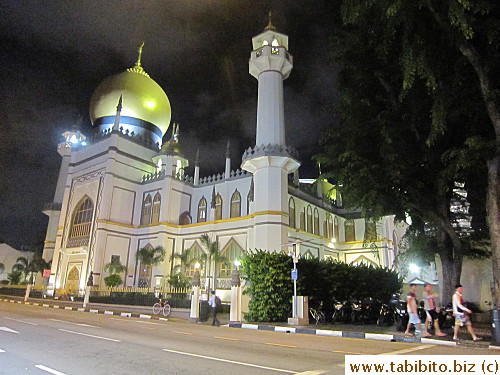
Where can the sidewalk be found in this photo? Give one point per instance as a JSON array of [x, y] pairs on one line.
[[368, 331]]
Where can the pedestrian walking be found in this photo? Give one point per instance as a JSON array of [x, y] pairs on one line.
[[411, 307], [431, 310], [461, 314], [214, 302]]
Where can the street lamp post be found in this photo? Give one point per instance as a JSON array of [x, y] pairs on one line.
[[295, 259]]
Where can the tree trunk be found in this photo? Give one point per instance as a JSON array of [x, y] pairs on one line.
[[493, 202], [451, 265], [493, 209]]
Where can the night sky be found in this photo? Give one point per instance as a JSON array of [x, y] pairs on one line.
[[55, 53]]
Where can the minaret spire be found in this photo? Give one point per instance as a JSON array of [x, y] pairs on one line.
[[197, 168], [270, 25], [116, 125], [139, 56], [227, 172]]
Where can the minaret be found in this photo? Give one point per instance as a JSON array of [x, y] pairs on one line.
[[227, 171], [197, 168], [270, 160], [73, 139]]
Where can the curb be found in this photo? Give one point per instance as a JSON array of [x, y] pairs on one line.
[[359, 335], [89, 310]]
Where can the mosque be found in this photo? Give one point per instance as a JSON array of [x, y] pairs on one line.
[[122, 189]]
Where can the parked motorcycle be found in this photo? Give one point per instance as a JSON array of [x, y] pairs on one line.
[[400, 314], [341, 312], [386, 315]]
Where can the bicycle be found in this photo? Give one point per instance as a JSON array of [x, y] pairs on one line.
[[318, 315], [162, 307]]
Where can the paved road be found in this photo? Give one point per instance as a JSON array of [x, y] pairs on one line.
[[37, 340]]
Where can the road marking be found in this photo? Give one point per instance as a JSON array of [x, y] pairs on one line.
[[283, 345], [48, 369], [85, 334], [226, 338], [138, 321], [5, 329], [22, 321], [229, 361], [312, 372], [2, 351], [183, 333], [345, 352], [408, 350], [76, 324]]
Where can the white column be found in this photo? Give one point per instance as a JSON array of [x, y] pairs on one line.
[[270, 109]]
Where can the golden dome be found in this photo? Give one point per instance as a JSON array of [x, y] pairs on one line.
[[143, 98]]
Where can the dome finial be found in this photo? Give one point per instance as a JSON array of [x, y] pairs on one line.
[[270, 25], [138, 65], [139, 57]]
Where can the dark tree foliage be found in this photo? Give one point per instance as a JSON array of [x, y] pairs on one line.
[[407, 130]]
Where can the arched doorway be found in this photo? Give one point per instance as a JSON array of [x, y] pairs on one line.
[[73, 280]]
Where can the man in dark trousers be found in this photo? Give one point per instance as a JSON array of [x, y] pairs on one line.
[[214, 302]]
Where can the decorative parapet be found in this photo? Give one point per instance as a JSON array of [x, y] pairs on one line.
[[77, 242], [269, 150], [141, 139], [153, 176], [239, 173]]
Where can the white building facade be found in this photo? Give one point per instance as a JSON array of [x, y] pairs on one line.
[[122, 190]]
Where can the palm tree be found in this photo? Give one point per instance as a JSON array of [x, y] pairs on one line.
[[115, 267], [149, 256], [29, 269], [212, 256]]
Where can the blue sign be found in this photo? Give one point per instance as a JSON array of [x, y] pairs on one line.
[[295, 274]]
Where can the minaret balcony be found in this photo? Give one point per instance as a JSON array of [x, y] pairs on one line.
[[271, 155], [270, 58]]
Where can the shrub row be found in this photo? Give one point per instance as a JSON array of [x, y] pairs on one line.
[[271, 288]]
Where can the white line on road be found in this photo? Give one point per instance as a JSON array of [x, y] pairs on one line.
[[5, 329], [85, 334], [2, 351], [76, 324], [48, 369], [312, 372], [409, 350], [22, 321], [137, 321], [229, 361]]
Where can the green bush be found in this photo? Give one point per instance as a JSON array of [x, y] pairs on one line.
[[271, 288], [113, 280], [269, 285]]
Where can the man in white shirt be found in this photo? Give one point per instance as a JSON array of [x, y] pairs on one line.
[[460, 313], [214, 303]]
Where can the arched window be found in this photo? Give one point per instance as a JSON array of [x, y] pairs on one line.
[[370, 230], [303, 219], [309, 219], [81, 223], [316, 222], [155, 219], [202, 210], [218, 207], [232, 251], [236, 204], [291, 212], [195, 255], [147, 206], [185, 218], [350, 234], [331, 233], [336, 233]]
